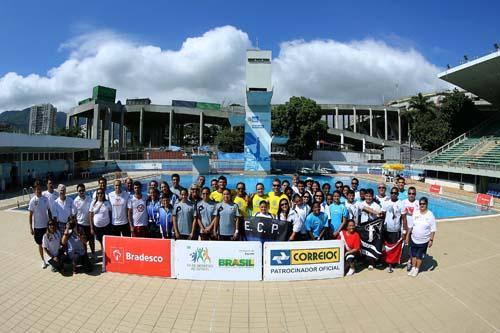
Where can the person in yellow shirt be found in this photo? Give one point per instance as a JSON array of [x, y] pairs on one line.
[[275, 196], [221, 186], [241, 199], [258, 197]]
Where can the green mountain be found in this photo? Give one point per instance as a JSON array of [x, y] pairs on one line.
[[20, 119]]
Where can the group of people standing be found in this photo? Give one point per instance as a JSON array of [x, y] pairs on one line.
[[62, 226]]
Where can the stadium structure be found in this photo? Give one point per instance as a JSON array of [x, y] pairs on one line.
[[472, 160]]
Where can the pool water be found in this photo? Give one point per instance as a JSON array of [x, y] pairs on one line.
[[441, 207]]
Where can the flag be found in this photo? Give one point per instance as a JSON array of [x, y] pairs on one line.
[[371, 238], [393, 251]]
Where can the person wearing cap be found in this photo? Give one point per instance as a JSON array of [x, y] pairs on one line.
[[381, 195], [62, 208]]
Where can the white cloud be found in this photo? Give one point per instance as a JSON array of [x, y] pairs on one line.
[[356, 72], [211, 68]]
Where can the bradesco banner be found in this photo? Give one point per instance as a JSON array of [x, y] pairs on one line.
[[144, 256], [286, 261], [217, 260]]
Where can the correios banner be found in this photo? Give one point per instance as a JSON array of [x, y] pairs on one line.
[[144, 256], [218, 260], [265, 229], [285, 261]]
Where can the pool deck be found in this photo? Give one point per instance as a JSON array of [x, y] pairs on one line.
[[457, 292]]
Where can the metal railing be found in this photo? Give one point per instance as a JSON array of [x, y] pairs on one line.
[[26, 192]]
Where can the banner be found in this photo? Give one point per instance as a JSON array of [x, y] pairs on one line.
[[268, 230], [436, 189], [143, 256], [285, 261], [371, 238], [484, 199], [217, 260]]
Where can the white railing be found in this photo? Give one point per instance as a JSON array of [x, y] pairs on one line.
[[444, 147]]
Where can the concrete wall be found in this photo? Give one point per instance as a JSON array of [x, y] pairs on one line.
[[450, 183], [343, 156]]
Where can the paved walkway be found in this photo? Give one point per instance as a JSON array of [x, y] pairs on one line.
[[458, 292]]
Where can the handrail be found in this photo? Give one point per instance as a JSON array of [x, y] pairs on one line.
[[443, 148], [455, 141]]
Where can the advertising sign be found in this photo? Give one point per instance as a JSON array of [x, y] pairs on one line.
[[285, 261], [265, 229], [217, 260], [147, 166], [484, 199], [143, 256], [436, 189]]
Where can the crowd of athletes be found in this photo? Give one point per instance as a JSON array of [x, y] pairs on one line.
[[64, 228]]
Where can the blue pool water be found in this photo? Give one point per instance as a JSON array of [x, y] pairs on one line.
[[441, 207]]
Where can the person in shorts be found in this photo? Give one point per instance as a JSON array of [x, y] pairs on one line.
[[137, 212], [81, 207], [39, 216]]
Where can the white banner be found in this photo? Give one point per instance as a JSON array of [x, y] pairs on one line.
[[147, 166], [217, 260], [284, 261]]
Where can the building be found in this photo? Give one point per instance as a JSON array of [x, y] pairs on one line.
[[42, 119]]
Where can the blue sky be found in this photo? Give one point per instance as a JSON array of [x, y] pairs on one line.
[[32, 32]]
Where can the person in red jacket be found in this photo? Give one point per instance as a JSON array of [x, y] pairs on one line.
[[352, 243]]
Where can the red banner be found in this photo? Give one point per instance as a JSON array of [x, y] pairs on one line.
[[143, 256], [436, 189], [484, 199]]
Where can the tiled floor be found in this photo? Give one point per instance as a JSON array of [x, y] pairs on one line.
[[459, 293]]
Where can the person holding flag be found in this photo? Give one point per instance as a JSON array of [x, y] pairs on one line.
[[393, 242]]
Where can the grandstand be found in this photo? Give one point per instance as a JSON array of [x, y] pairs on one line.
[[479, 147], [472, 160]]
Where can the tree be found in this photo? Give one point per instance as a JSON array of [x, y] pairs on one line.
[[230, 141], [300, 120], [460, 112], [75, 132]]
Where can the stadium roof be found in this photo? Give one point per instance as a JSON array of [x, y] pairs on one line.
[[479, 76], [15, 143]]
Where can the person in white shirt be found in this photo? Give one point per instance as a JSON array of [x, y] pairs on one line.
[[302, 210], [287, 214], [420, 236], [119, 203], [50, 193], [39, 216], [263, 210], [100, 216], [62, 208], [51, 244], [392, 210], [295, 182], [354, 187], [352, 207], [81, 208], [102, 183], [381, 195], [410, 205], [137, 213], [369, 209]]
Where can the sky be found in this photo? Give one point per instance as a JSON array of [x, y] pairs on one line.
[[363, 52]]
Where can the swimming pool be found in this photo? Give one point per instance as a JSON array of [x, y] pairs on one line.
[[441, 207]]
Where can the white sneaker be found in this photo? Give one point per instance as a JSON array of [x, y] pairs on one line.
[[44, 265], [350, 272], [370, 267], [414, 272]]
